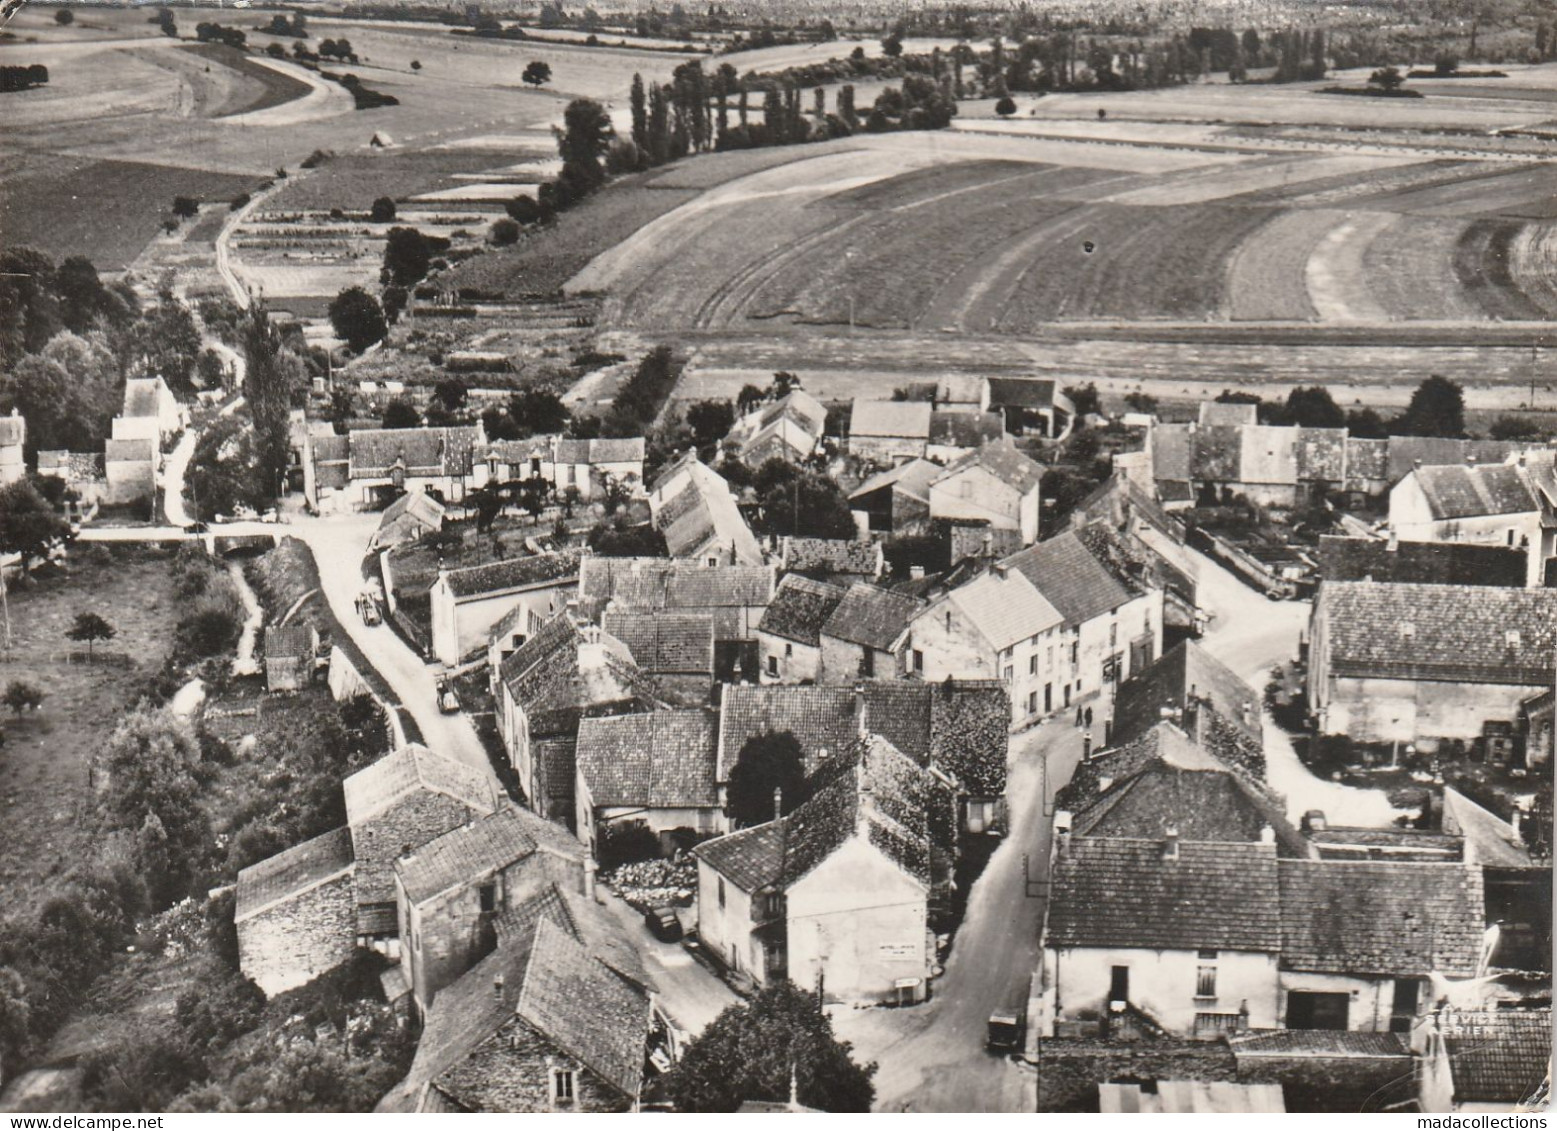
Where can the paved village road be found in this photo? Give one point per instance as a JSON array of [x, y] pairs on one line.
[[932, 1057]]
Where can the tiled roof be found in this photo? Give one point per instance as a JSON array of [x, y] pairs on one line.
[[1367, 461], [515, 573], [912, 478], [288, 874], [970, 734], [521, 451], [1469, 492], [1005, 606], [1181, 672], [1320, 455], [1002, 461], [1424, 563], [1465, 633], [1021, 392], [290, 641], [820, 718], [958, 389], [585, 920], [966, 429], [626, 449], [419, 505], [799, 609], [870, 616], [1124, 893], [890, 419], [466, 854], [1492, 841], [1071, 578], [722, 586], [1171, 448], [833, 556], [1408, 452], [142, 397], [1219, 412], [434, 451], [665, 642], [373, 789], [1377, 917], [1164, 743], [1497, 1056], [1216, 453], [1320, 1044], [659, 760]]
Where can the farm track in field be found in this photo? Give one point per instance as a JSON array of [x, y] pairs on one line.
[[729, 300], [1337, 285]]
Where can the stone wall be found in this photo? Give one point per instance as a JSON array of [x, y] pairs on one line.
[[294, 942]]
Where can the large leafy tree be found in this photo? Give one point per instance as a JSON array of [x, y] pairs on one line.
[[88, 628], [267, 386], [1312, 407], [164, 342], [224, 470], [756, 1050], [801, 503], [357, 319], [583, 141], [766, 764], [27, 523], [1437, 408]]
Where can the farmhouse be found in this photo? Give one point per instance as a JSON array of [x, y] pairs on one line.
[[889, 431], [1425, 663], [369, 468], [896, 501], [449, 891], [13, 439], [407, 519], [1032, 405], [468, 603], [863, 636], [654, 772], [296, 914], [789, 429], [789, 636], [1500, 505], [835, 895], [954, 434], [995, 484], [695, 510], [289, 656]]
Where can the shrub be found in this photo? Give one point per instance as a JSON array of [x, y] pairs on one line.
[[504, 232]]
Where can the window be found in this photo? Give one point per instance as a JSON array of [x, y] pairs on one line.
[[1008, 674], [1205, 981], [1207, 956], [789, 650], [773, 665], [721, 891], [1032, 665], [487, 893], [1048, 658], [867, 662], [562, 1085], [1032, 703], [1075, 653], [918, 660]]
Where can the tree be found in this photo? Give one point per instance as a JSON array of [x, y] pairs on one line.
[[1005, 107], [1085, 398], [64, 17], [358, 319], [533, 494], [504, 232], [224, 471], [343, 407], [892, 46], [1141, 402], [749, 398], [537, 73], [401, 413], [1311, 406], [756, 1050], [537, 412], [767, 762], [1437, 408], [267, 387], [407, 256], [22, 696], [450, 394], [1387, 79], [167, 23], [640, 113], [583, 142], [710, 421], [1511, 427], [1445, 65], [184, 207], [416, 64], [28, 525], [88, 628], [383, 211]]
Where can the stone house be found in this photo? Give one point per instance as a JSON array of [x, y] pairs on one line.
[[1508, 505], [590, 465], [895, 501], [296, 913], [548, 1022], [1032, 405], [655, 771], [369, 468], [13, 441], [290, 651], [150, 412], [511, 461], [1427, 663], [788, 429], [959, 394], [563, 673], [450, 891], [81, 472], [789, 635], [1200, 695], [995, 484], [406, 519], [863, 636], [468, 603], [130, 467], [836, 895], [404, 800], [677, 650], [889, 431], [1482, 1060], [693, 507]]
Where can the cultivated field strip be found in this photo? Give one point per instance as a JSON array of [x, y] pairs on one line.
[[1337, 285], [1483, 264], [1534, 265], [1409, 268], [1523, 190], [1247, 176], [1361, 188], [1267, 280]]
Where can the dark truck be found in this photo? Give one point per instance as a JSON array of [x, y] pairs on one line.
[[1008, 1024]]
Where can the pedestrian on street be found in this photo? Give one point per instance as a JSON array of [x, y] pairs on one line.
[[1078, 717], [1089, 718]]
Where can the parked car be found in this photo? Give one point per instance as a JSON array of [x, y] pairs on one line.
[[448, 701], [663, 923], [1007, 1030], [367, 608]]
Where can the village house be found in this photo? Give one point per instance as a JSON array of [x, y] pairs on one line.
[[654, 771], [1420, 563], [1201, 696], [889, 431], [788, 429], [1427, 663], [406, 519], [895, 501], [965, 395], [404, 800], [995, 484], [151, 412], [789, 636], [1032, 405], [997, 626], [450, 891], [864, 635], [290, 651], [838, 560], [693, 507], [468, 603], [835, 897], [955, 434], [130, 468], [548, 1022], [13, 440], [513, 461], [296, 913], [563, 673], [1482, 1060], [592, 465], [1511, 505], [369, 468], [677, 650]]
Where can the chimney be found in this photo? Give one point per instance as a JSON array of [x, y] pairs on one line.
[[859, 707], [1416, 465], [1470, 459], [916, 572], [1170, 843], [1314, 821], [497, 987], [1393, 545], [589, 879], [778, 802], [989, 543], [1002, 570], [1267, 835]]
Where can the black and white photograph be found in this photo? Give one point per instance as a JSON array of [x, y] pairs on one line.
[[760, 556]]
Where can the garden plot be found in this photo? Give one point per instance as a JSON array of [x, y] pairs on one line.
[[304, 280]]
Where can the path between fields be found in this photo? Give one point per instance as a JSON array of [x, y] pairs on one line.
[[324, 99]]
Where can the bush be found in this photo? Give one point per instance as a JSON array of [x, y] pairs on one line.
[[627, 844], [504, 232]]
